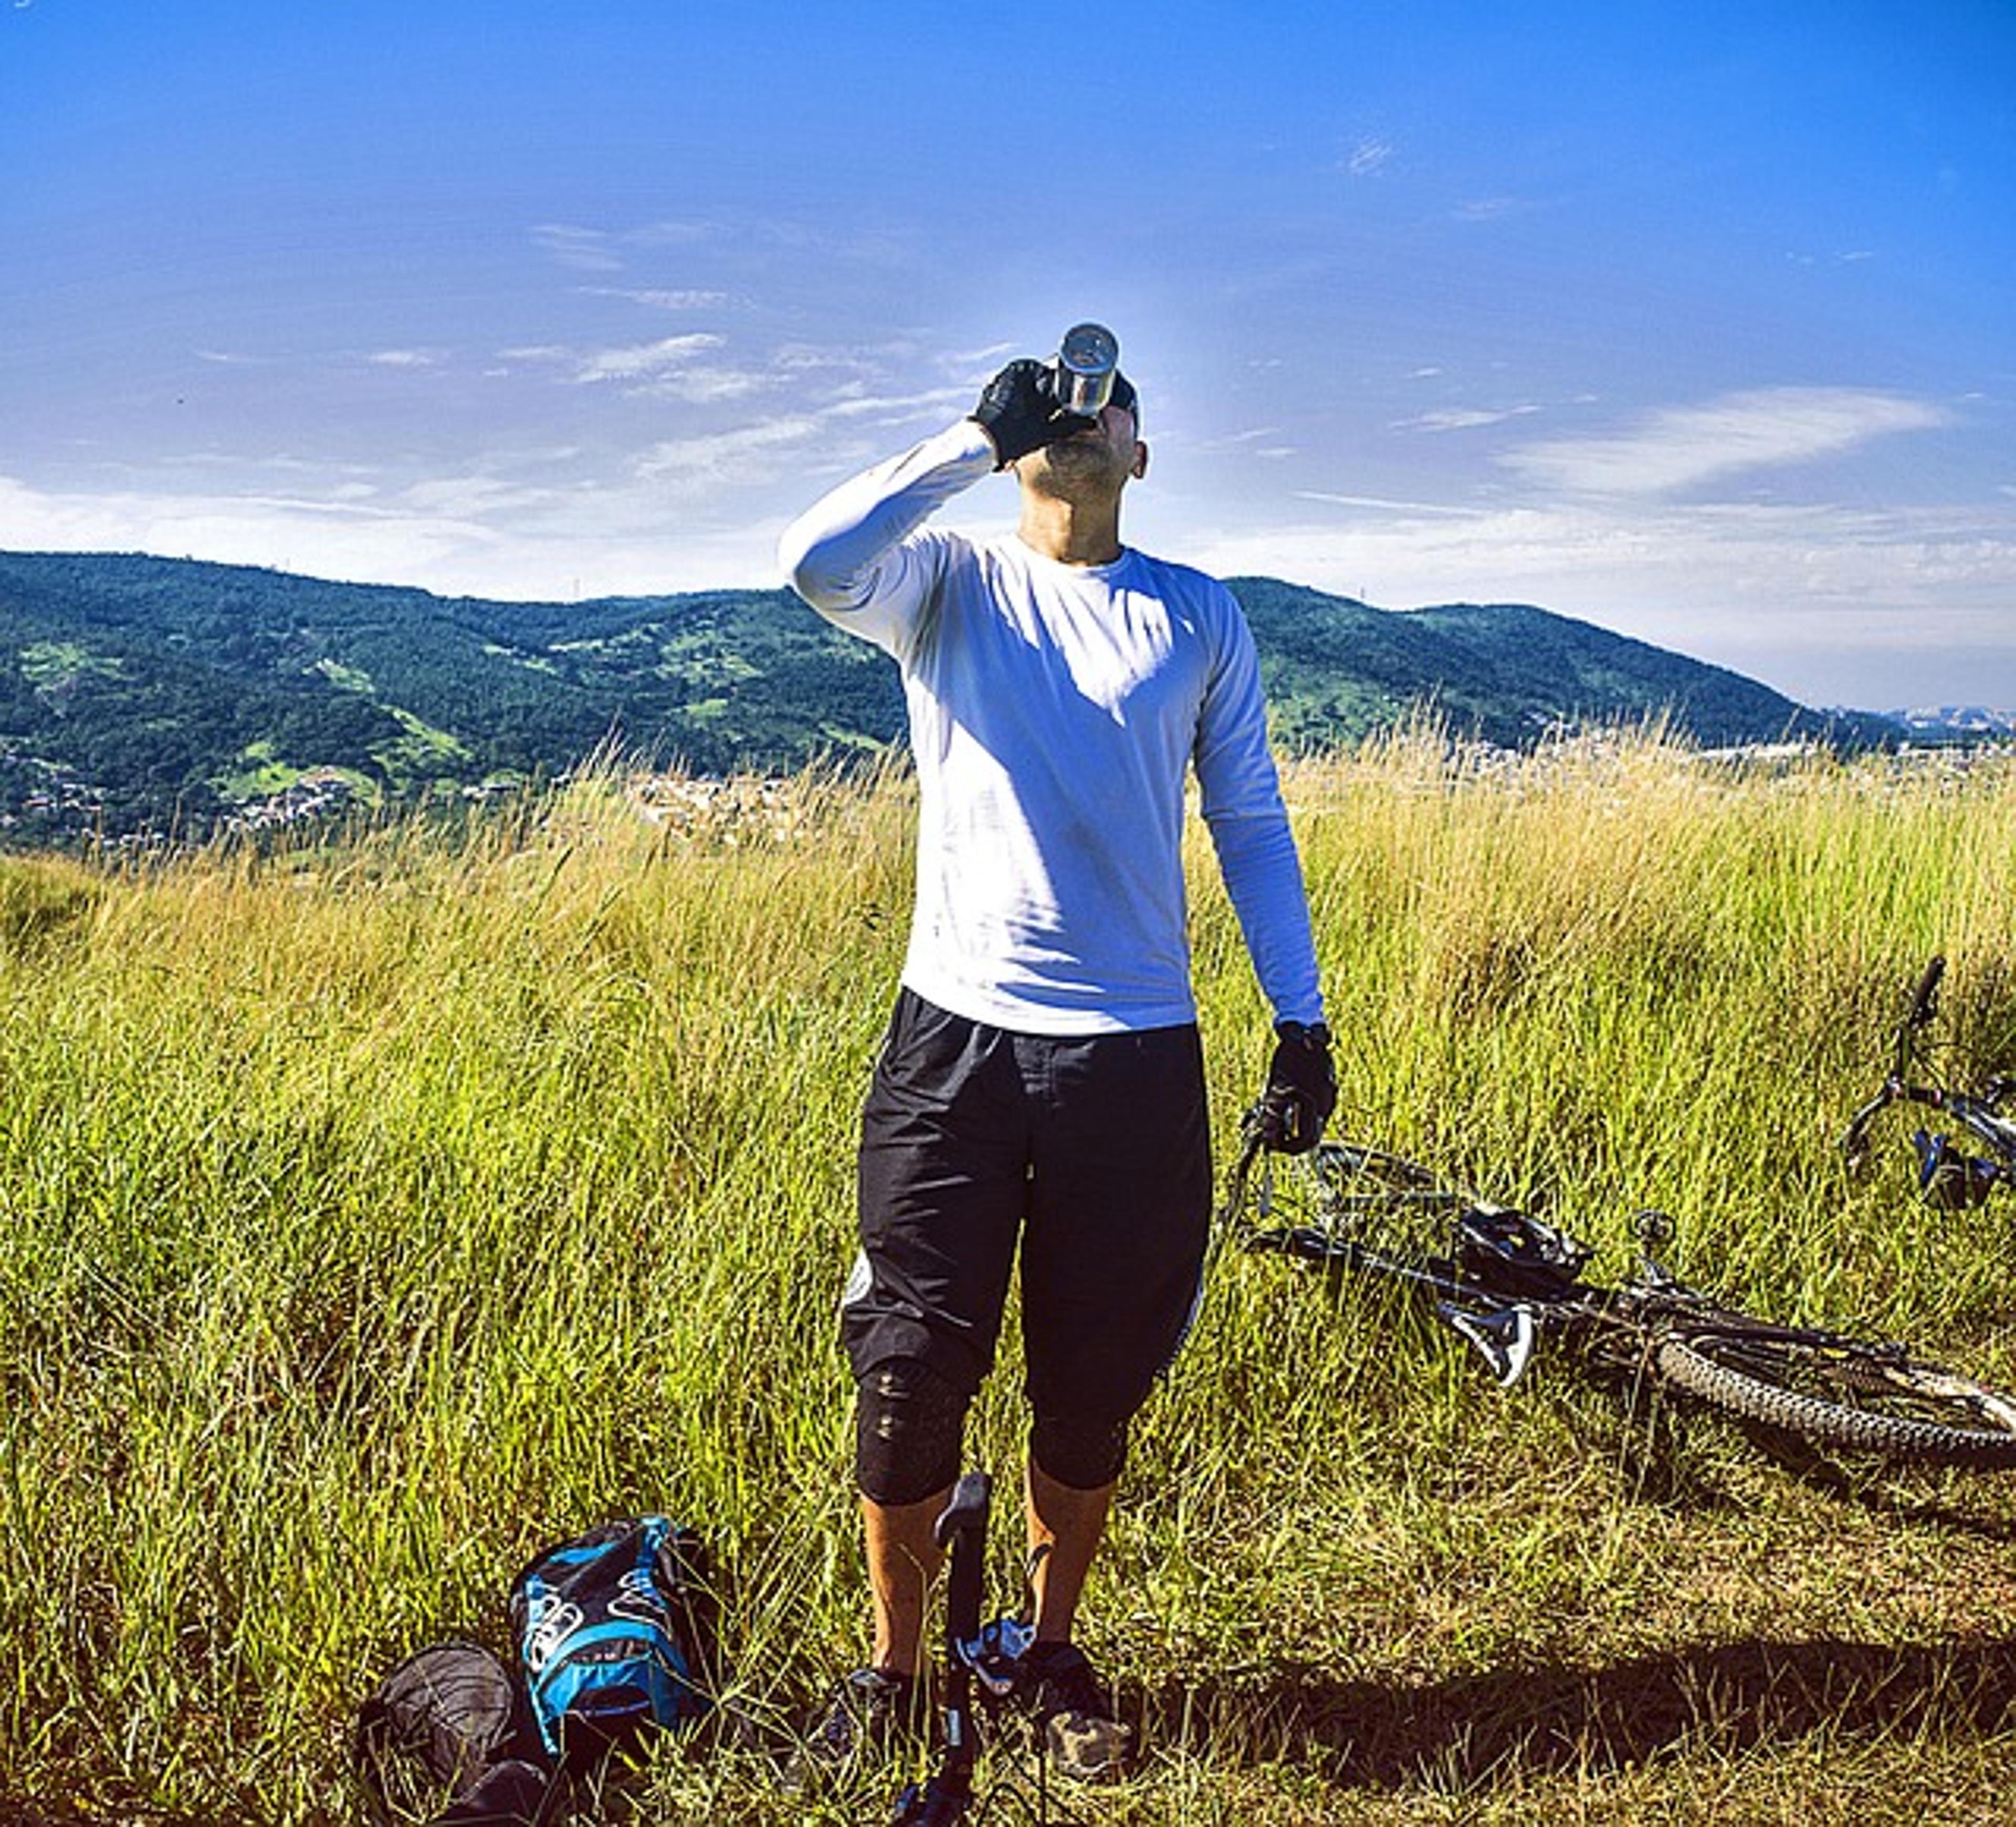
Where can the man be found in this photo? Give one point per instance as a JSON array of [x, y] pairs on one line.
[[1041, 1085]]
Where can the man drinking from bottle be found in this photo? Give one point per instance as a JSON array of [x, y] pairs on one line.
[[1039, 1095]]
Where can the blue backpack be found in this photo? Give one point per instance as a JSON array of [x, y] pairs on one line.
[[615, 1632]]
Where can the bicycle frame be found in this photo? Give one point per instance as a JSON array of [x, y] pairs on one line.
[[1621, 1324]]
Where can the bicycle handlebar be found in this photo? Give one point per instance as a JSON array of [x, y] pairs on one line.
[[1919, 1014], [1924, 1007], [963, 1528], [1924, 999]]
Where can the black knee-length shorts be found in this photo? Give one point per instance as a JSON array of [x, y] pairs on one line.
[[1092, 1154]]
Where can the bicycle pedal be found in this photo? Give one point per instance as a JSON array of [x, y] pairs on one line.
[[1504, 1338]]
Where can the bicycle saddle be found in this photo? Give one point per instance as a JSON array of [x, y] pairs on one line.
[[1515, 1252]]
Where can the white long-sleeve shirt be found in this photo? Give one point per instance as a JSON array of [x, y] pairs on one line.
[[1055, 710]]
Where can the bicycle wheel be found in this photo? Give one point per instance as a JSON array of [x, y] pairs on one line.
[[1341, 1205], [1839, 1392], [1342, 1185], [1373, 1170]]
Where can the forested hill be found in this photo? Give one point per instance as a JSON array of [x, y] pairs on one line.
[[1506, 672], [141, 693]]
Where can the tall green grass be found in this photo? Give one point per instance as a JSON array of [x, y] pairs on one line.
[[380, 1209]]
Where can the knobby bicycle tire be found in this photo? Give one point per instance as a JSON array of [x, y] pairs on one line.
[[1841, 1394]]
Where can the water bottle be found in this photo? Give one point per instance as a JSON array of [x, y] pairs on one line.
[[1088, 358]]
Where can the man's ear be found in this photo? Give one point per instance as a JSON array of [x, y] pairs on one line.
[[1140, 468]]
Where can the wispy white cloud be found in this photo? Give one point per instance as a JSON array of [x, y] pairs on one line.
[[1767, 428], [584, 250], [708, 387], [401, 358], [1260, 440], [1370, 155], [860, 405], [1830, 605], [989, 357], [471, 497], [643, 360], [676, 233], [751, 453], [1383, 505], [684, 298], [680, 368], [334, 535], [1463, 419], [682, 526]]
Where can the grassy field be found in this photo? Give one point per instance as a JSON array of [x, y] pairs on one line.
[[379, 1212]]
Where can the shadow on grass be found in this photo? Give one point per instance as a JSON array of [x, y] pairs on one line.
[[1728, 1697], [1961, 1503], [1671, 1451]]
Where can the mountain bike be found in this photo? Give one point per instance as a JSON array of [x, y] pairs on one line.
[[1503, 1280], [1948, 1177]]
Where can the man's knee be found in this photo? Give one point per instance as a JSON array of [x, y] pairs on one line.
[[1079, 1453], [909, 1424]]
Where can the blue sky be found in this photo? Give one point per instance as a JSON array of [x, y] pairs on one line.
[[1698, 322]]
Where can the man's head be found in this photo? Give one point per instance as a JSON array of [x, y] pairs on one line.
[[1072, 470], [1092, 457]]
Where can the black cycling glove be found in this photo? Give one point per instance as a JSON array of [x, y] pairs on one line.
[[1019, 411], [1302, 1088]]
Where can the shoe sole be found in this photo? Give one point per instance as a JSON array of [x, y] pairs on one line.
[[1087, 1749]]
